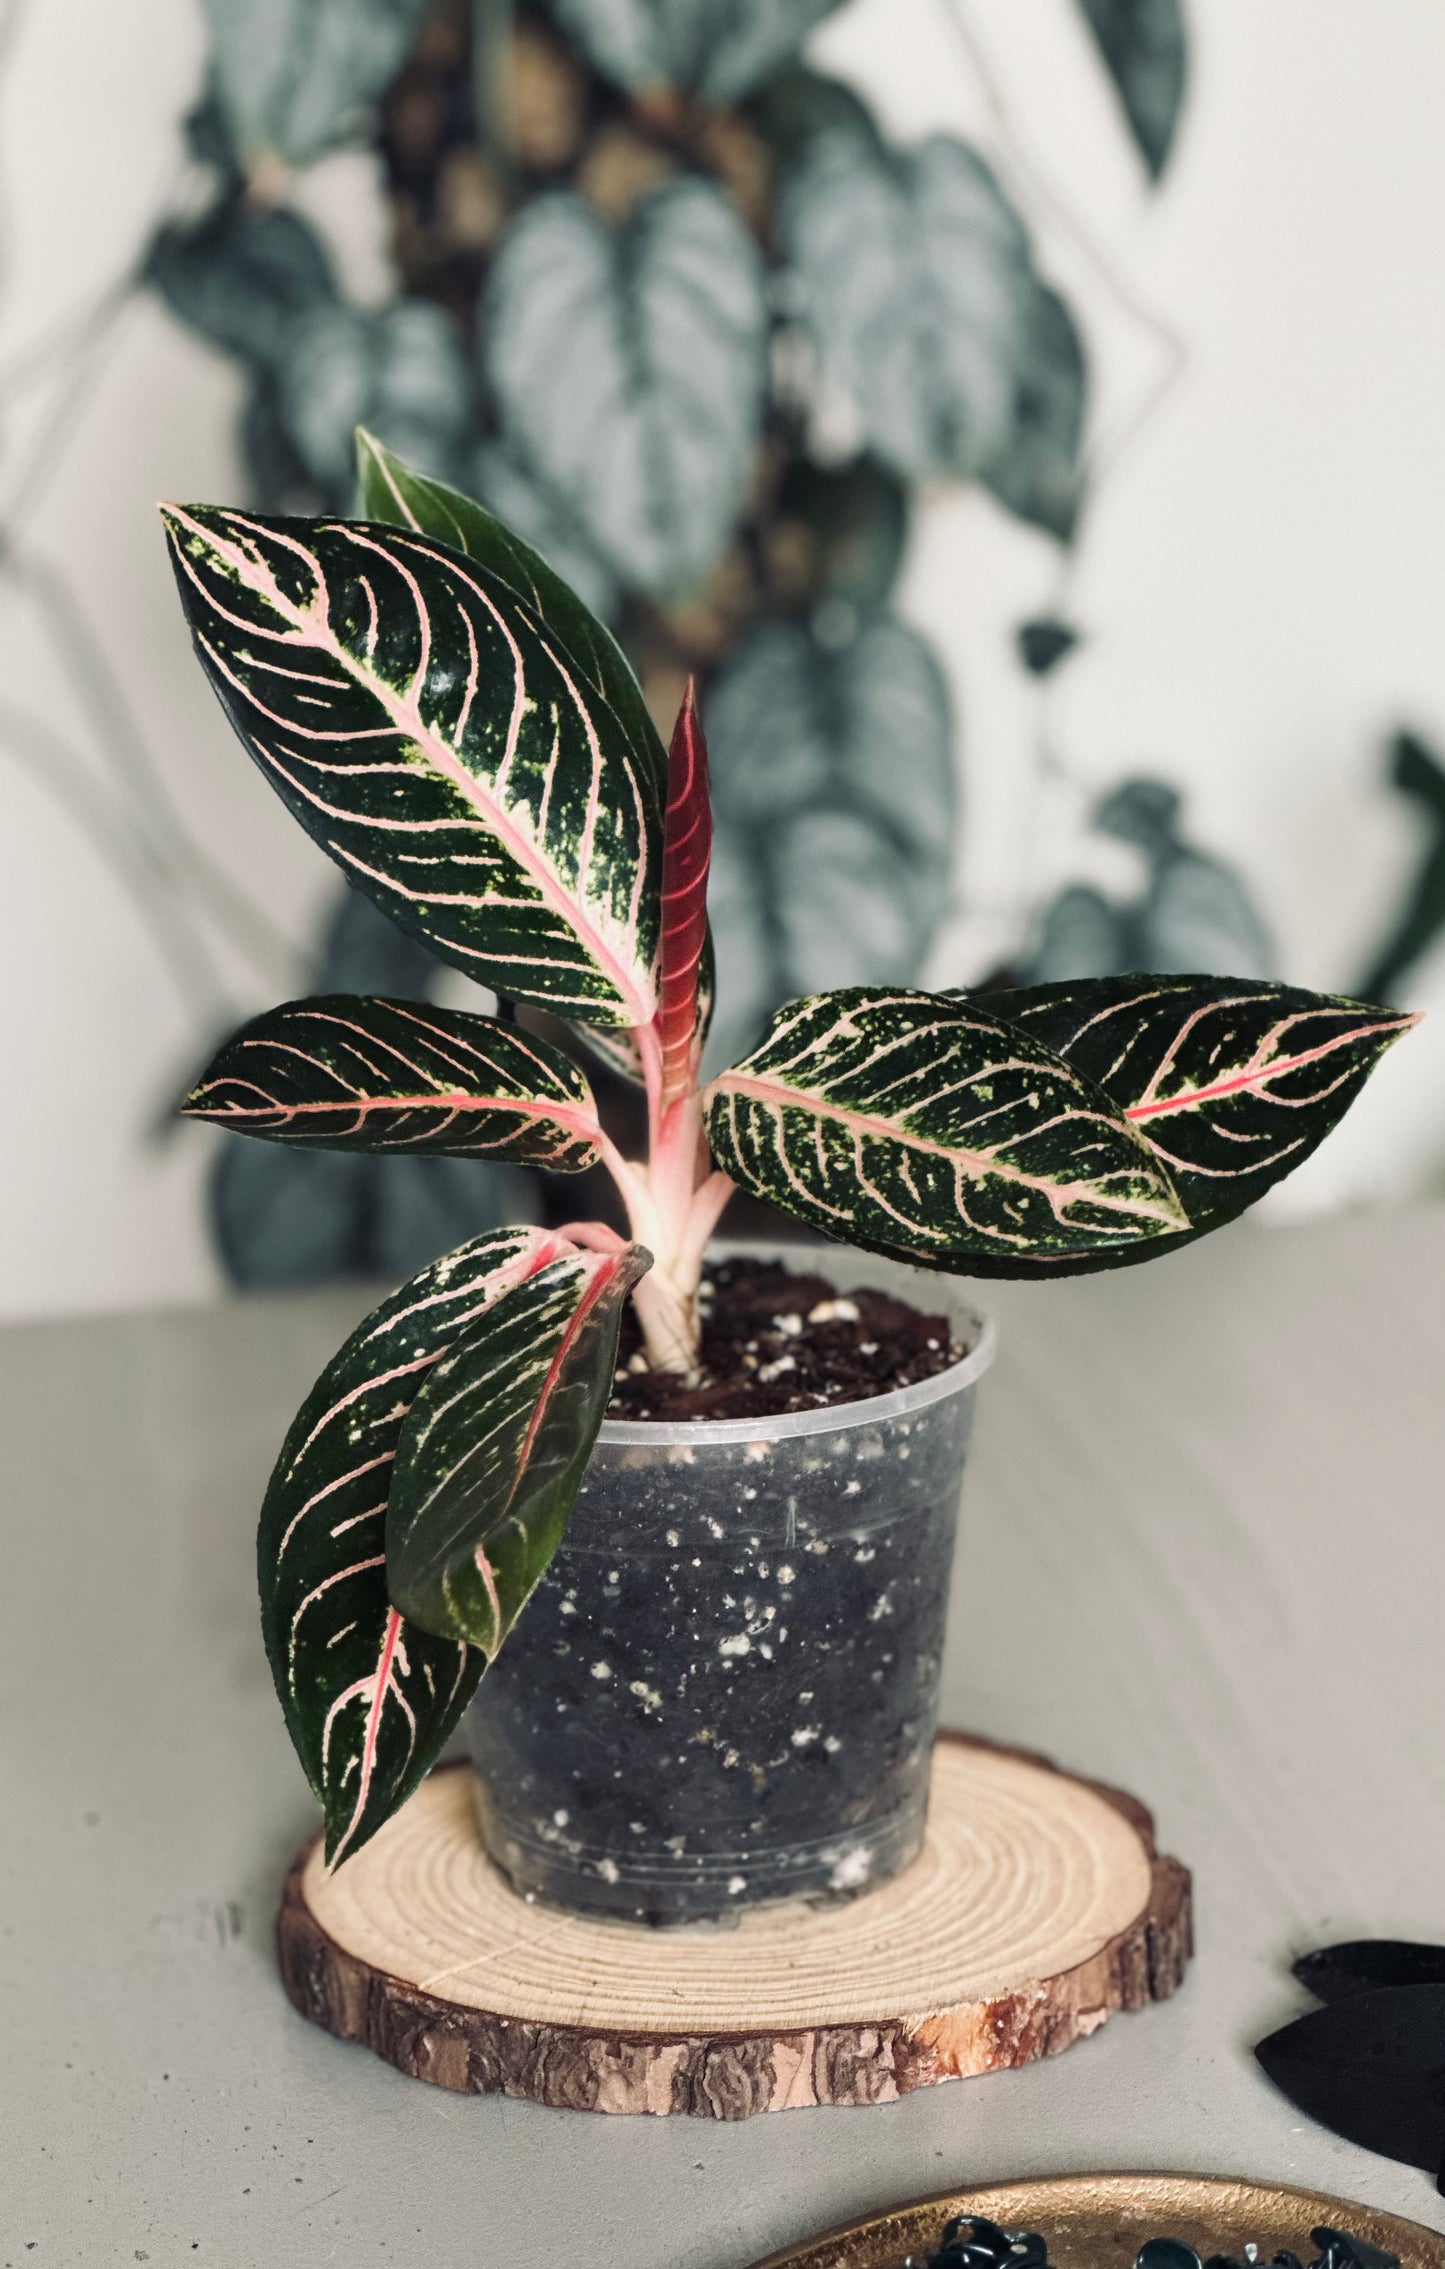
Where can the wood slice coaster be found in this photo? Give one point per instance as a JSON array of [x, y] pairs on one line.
[[1036, 1908]]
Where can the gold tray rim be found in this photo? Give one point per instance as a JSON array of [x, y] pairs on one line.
[[1058, 2203]]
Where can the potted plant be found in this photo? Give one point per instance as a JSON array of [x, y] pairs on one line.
[[727, 1689]]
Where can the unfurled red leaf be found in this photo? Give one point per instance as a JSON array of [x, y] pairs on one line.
[[926, 1128], [345, 1073], [418, 719], [629, 366], [686, 851], [368, 1698], [394, 491], [495, 1445], [1231, 1082], [1143, 46]]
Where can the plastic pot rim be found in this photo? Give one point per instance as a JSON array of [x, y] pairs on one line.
[[869, 1410]]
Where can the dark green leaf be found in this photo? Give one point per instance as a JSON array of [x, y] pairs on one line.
[[1417, 772], [346, 1073], [396, 492], [629, 366], [496, 1443], [1231, 1083], [927, 1128], [718, 52], [369, 1700], [1361, 1965], [1037, 473], [415, 716], [797, 103], [1143, 46], [1368, 2067], [282, 1216], [296, 76], [917, 284], [855, 519]]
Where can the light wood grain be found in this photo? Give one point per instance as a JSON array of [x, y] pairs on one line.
[[1037, 1908]]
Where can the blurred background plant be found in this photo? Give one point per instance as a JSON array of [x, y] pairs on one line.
[[678, 302]]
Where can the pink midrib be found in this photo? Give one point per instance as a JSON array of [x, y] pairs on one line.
[[1261, 1075], [564, 1115], [408, 720]]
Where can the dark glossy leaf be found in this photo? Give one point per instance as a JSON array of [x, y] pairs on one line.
[[629, 365], [414, 715], [1232, 1083], [495, 1445], [394, 491], [1044, 642], [1144, 49], [926, 1128], [296, 76], [717, 52], [1371, 2068], [917, 284], [1417, 773], [834, 789], [1363, 1964], [368, 1699], [1037, 473], [243, 277], [347, 1073]]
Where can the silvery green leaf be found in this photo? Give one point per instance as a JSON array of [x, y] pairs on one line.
[[368, 1699], [834, 788], [296, 76], [1199, 915], [300, 1217], [495, 1445], [541, 518], [242, 276], [1144, 49], [917, 284], [415, 716], [628, 364], [1083, 935], [1036, 473], [401, 372], [927, 1128], [343, 1072], [718, 49]]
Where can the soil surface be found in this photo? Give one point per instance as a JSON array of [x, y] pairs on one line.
[[774, 1341]]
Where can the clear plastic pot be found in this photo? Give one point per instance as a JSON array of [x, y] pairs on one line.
[[726, 1688]]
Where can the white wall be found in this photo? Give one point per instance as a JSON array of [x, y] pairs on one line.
[[1263, 576]]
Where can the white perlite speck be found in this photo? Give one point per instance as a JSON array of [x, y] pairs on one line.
[[852, 1869], [602, 1670]]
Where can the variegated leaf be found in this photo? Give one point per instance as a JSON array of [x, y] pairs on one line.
[[425, 727], [393, 491], [346, 1073], [495, 1445], [926, 1128], [1231, 1082], [368, 1698]]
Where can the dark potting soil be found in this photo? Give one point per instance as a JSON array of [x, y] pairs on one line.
[[775, 1341]]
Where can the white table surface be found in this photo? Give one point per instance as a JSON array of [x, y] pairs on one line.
[[1203, 1553]]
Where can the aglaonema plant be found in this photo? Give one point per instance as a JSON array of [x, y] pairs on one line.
[[464, 739]]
